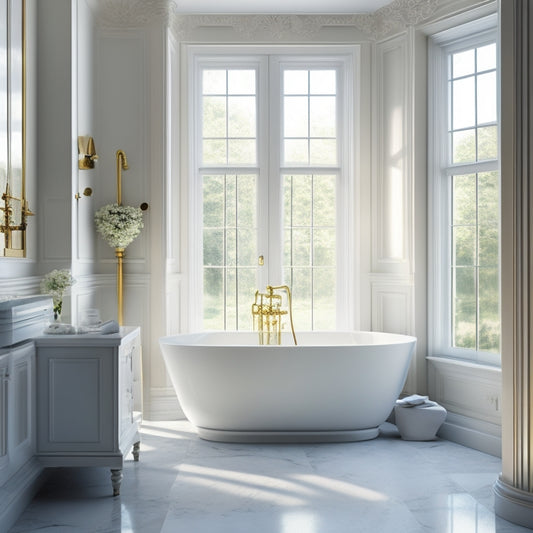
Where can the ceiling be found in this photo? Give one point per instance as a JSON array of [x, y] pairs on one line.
[[279, 6]]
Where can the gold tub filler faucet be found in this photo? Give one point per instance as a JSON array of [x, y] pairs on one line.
[[267, 311]]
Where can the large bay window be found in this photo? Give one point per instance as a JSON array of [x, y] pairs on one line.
[[465, 194], [271, 183]]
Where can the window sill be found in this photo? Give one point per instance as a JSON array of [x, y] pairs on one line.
[[450, 360]]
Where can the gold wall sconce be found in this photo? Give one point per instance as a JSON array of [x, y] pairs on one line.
[[87, 151]]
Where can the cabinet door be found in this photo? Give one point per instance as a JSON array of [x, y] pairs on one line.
[[20, 411], [77, 406], [4, 376]]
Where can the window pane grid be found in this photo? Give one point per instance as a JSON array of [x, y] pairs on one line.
[[236, 133], [229, 111], [309, 248], [309, 117], [229, 249], [472, 105], [474, 268]]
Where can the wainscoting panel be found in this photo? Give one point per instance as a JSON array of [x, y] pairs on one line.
[[392, 305], [393, 312], [472, 395], [173, 299], [20, 286], [467, 389]]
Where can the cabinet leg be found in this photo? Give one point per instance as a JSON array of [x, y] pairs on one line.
[[116, 480], [135, 451]]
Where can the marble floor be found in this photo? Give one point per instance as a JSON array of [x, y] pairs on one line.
[[185, 485]]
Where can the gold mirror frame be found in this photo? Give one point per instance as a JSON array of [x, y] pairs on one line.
[[13, 204]]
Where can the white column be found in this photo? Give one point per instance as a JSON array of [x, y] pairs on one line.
[[514, 488]]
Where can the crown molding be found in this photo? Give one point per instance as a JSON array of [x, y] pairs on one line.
[[131, 13], [388, 20]]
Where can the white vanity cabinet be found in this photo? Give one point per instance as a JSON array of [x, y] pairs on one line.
[[87, 410], [17, 385], [4, 377]]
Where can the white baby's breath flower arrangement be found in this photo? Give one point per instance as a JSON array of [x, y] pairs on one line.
[[55, 284], [119, 224]]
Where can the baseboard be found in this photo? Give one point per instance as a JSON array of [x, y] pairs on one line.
[[476, 434], [513, 504], [163, 405], [18, 491]]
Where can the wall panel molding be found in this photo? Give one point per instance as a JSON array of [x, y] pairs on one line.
[[468, 389], [392, 305], [392, 184], [164, 405], [471, 393], [20, 286]]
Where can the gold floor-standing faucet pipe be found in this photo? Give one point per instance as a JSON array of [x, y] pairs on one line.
[[122, 164], [267, 313], [119, 253]]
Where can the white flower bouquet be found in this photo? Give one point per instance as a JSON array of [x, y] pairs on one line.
[[56, 283], [119, 224]]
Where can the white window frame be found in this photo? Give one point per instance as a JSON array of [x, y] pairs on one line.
[[440, 318], [268, 57]]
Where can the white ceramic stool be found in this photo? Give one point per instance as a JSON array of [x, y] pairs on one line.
[[419, 422]]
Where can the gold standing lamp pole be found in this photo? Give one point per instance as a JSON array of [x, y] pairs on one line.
[[122, 164]]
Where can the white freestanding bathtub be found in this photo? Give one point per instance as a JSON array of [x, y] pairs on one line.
[[332, 387]]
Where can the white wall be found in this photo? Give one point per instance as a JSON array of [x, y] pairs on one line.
[[104, 70]]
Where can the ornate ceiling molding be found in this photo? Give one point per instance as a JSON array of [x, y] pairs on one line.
[[401, 14], [272, 28], [131, 13], [388, 20]]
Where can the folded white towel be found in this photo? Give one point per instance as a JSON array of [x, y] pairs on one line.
[[411, 401], [58, 328]]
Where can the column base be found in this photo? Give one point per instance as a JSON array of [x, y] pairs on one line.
[[513, 504]]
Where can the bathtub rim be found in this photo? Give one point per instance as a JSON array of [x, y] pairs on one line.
[[191, 339]]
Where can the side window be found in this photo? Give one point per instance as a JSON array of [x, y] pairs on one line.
[[466, 187]]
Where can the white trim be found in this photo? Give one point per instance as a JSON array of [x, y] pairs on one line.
[[471, 393], [344, 58], [163, 405], [464, 32], [439, 171], [18, 492], [484, 437], [513, 504]]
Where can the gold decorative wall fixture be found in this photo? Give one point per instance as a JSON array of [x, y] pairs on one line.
[[87, 151], [14, 209]]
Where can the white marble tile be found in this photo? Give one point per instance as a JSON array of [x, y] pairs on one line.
[[185, 485]]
